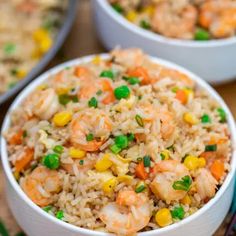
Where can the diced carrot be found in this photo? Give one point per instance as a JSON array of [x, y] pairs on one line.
[[110, 98], [141, 172], [106, 87], [81, 71], [142, 73], [140, 137], [16, 139], [181, 96], [154, 169], [24, 160], [217, 169]]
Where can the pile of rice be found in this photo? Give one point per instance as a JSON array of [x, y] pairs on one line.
[[158, 123]]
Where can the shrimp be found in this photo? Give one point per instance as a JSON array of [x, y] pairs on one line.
[[133, 57], [99, 124], [41, 184], [169, 171], [175, 23], [42, 103], [129, 214], [219, 17], [25, 158], [167, 124], [206, 184]]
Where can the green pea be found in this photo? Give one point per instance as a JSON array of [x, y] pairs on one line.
[[51, 161]]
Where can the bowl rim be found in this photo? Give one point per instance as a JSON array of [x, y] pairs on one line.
[[157, 37], [200, 83], [69, 16]]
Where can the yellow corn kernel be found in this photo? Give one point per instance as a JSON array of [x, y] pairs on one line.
[[188, 91], [190, 118], [124, 160], [148, 10], [125, 178], [63, 90], [62, 118], [186, 200], [163, 217], [76, 153], [43, 40], [36, 54], [45, 44], [191, 162], [96, 60], [165, 155], [109, 185], [21, 73], [131, 16], [42, 87], [16, 175], [40, 34], [201, 162], [104, 163]]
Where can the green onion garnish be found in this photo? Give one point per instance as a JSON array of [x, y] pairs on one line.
[[144, 24], [139, 120], [117, 7], [93, 102], [130, 137], [139, 159], [202, 34], [89, 137], [25, 134], [133, 80], [65, 99], [183, 184], [81, 162], [121, 141], [107, 74], [9, 48], [147, 161], [140, 188], [115, 149], [60, 215], [47, 208], [222, 115], [99, 92], [211, 148], [58, 149]]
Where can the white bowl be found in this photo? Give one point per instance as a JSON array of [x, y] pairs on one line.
[[35, 222], [213, 60]]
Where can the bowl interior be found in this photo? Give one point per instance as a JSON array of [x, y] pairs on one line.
[[202, 84], [157, 37]]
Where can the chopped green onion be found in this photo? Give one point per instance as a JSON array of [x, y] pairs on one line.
[[51, 161], [117, 7], [60, 215], [140, 97], [202, 34], [145, 24], [93, 102], [175, 89], [205, 119], [162, 156], [171, 148], [47, 208], [122, 92], [222, 115], [74, 99], [139, 159], [64, 99], [183, 184], [139, 120], [115, 149], [147, 161], [178, 213], [133, 80], [14, 71], [81, 162], [211, 148], [58, 149], [107, 74], [9, 48], [99, 92], [24, 134], [121, 141], [130, 137], [89, 137], [140, 187]]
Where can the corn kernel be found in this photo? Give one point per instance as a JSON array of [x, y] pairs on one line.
[[76, 153], [190, 118], [201, 162], [186, 200], [189, 92], [124, 160], [165, 155], [163, 217], [45, 44], [40, 34], [104, 163], [16, 175], [109, 185], [96, 60], [62, 118], [63, 90], [21, 74], [42, 87], [148, 10], [131, 16], [191, 162], [36, 54], [125, 178]]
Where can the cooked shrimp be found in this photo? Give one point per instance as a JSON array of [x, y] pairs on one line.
[[99, 124], [129, 214], [129, 58], [43, 103], [25, 157], [206, 184], [175, 23], [167, 124], [41, 184], [168, 172], [219, 17]]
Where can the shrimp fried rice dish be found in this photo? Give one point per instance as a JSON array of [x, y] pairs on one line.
[[119, 144]]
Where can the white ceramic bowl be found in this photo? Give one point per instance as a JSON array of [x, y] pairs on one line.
[[213, 60], [35, 222]]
